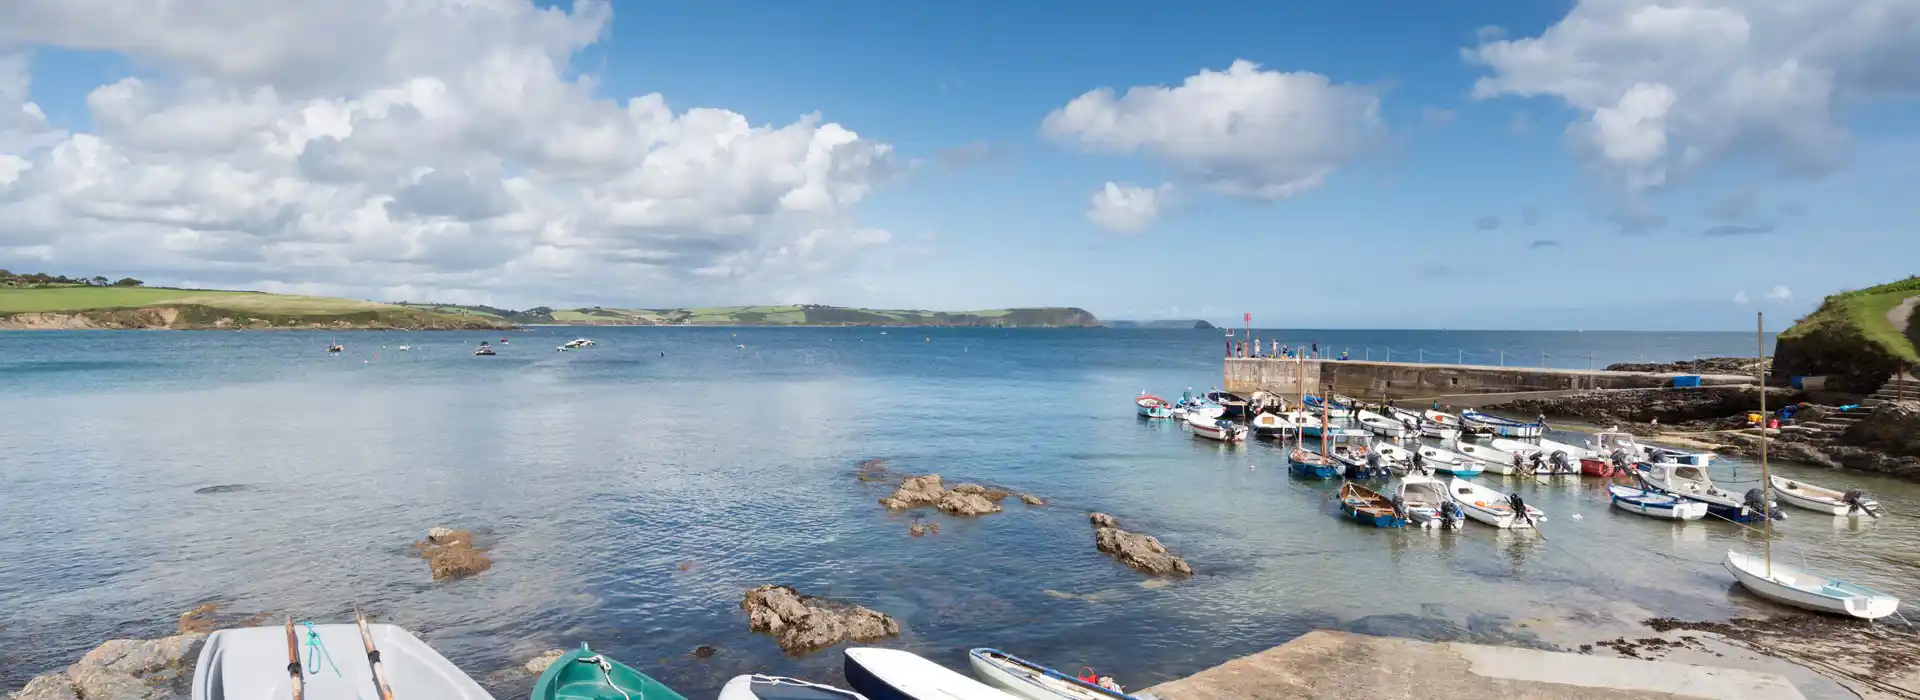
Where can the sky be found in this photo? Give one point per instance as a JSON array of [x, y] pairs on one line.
[[1591, 164]]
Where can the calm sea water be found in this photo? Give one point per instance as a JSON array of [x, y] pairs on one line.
[[598, 476]]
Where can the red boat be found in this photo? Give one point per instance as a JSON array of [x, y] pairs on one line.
[[1599, 467]]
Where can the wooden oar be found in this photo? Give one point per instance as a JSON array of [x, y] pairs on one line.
[[373, 657], [293, 659]]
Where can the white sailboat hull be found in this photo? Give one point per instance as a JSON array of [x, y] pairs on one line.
[[1785, 583]]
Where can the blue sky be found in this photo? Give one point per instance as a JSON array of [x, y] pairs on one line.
[[1606, 164]]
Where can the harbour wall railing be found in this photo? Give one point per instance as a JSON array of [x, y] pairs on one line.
[[1398, 380]]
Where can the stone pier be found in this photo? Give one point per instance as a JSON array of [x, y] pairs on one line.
[[1342, 666]]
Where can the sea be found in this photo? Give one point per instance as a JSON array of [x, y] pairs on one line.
[[631, 492]]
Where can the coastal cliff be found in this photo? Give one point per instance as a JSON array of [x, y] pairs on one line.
[[82, 308], [792, 315], [1855, 337]]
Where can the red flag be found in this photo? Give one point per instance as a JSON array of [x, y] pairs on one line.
[[1249, 317]]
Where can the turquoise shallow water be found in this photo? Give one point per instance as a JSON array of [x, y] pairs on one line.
[[598, 475]]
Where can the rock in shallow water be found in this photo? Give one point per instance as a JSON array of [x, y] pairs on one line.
[[123, 669], [915, 491], [960, 503], [1142, 552], [803, 623], [539, 664]]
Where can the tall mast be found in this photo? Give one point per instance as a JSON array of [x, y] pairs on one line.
[[1766, 479]]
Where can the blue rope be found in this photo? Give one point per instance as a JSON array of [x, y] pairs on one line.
[[316, 651]]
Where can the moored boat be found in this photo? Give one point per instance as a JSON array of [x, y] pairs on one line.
[[1232, 407], [1503, 427], [1417, 421], [1333, 407], [1423, 501], [1823, 500], [584, 674], [1216, 428], [1312, 465], [1363, 505], [1692, 483], [1492, 507], [759, 687], [1383, 426], [1785, 583], [252, 663], [1489, 459], [484, 349], [1655, 504], [1150, 406], [892, 674], [1353, 449], [1448, 462], [1273, 425], [1032, 681]]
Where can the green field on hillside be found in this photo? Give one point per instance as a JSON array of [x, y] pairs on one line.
[[1863, 313], [226, 308]]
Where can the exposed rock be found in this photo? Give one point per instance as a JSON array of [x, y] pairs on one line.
[[969, 504], [1641, 406], [1711, 365], [919, 529], [199, 619], [1893, 427], [450, 554], [52, 686], [1032, 500], [539, 664], [969, 488], [803, 623], [915, 491], [1142, 552], [222, 488], [704, 651]]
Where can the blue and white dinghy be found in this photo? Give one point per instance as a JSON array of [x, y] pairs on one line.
[[892, 674], [1789, 584], [1654, 504]]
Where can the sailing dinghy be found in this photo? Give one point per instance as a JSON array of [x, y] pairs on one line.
[[1029, 680], [1789, 584], [252, 663]]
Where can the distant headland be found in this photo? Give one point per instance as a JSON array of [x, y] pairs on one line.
[[43, 301]]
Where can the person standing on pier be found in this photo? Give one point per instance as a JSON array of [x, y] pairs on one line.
[[1316, 350]]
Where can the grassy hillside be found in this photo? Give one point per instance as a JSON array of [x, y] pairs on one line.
[[1851, 336], [159, 307], [1162, 324], [814, 315]]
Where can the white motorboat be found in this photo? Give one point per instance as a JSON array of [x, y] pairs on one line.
[[1418, 421], [1692, 482], [1824, 500], [1397, 457], [1513, 447], [1032, 681], [1445, 419], [759, 687], [1503, 427], [405, 348], [892, 674], [1274, 425], [1425, 502], [1448, 462], [1494, 460], [1655, 504], [1785, 583], [1216, 428], [1492, 507], [1575, 454], [251, 664], [1303, 422], [1383, 426]]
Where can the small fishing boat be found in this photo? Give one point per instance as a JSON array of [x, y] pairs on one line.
[[1444, 419], [336, 347], [1418, 421], [583, 674], [1383, 426], [1353, 449], [484, 349], [892, 674], [1335, 407], [1150, 406], [1423, 501], [1794, 586], [1606, 442], [1503, 427], [1216, 428], [1312, 465], [1489, 459], [1395, 455], [1616, 464], [1274, 425], [1655, 504], [1662, 455], [1492, 507], [1693, 483], [1232, 406], [253, 663], [1513, 447], [1305, 423], [1824, 500], [759, 687], [1448, 462], [1361, 504], [1548, 447], [1025, 679], [1187, 407], [405, 348]]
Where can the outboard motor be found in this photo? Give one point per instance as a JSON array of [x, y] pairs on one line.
[[1400, 507], [1562, 464], [1621, 460], [1376, 464], [1519, 506], [1856, 502], [1755, 502], [1452, 515]]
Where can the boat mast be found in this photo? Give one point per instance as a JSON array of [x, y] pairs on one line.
[[1324, 414], [1766, 479]]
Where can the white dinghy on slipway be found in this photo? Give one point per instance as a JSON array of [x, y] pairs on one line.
[[251, 663], [892, 674], [1791, 585], [1823, 500]]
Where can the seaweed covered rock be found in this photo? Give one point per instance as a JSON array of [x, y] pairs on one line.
[[956, 502], [1142, 552], [450, 554], [803, 623]]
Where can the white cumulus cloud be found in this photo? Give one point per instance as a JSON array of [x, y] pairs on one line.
[[1125, 208], [1668, 87], [1780, 293], [1245, 131], [435, 148], [1740, 297]]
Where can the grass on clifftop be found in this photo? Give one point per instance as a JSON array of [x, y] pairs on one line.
[[58, 299], [1864, 311]]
